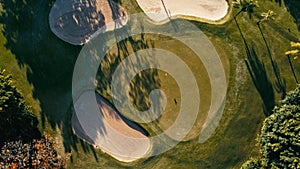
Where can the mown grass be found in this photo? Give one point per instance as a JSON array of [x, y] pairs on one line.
[[146, 81], [234, 140]]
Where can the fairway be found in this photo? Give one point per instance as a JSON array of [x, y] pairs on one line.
[[42, 67], [148, 80]]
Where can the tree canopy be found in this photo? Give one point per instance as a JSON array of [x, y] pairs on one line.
[[245, 6], [16, 120], [39, 153], [21, 143], [295, 50], [279, 140]]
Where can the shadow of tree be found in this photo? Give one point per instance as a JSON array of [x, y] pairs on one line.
[[143, 82], [293, 8], [173, 22], [17, 121], [75, 21], [261, 81], [280, 83], [49, 62], [259, 74]]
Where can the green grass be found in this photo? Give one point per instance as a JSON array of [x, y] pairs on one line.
[[234, 140], [158, 79], [10, 64], [42, 68]]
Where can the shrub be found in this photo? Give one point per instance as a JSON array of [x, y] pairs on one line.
[[279, 139], [17, 122], [39, 153]]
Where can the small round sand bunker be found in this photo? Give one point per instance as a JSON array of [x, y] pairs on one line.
[[75, 21]]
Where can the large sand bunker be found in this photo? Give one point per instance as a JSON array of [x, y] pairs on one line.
[[75, 21], [106, 129], [159, 10]]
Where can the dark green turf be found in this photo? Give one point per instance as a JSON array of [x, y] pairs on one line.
[[42, 66]]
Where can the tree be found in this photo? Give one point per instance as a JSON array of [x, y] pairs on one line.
[[253, 164], [265, 17], [279, 139], [17, 122], [280, 83], [245, 6], [295, 53], [23, 146], [169, 16], [39, 153], [293, 97], [260, 79]]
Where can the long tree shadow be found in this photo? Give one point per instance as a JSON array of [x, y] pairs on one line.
[[259, 75], [293, 8], [280, 84], [49, 63], [175, 26], [261, 81], [143, 82], [242, 35]]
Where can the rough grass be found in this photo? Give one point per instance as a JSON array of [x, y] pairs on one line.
[[234, 140], [9, 62]]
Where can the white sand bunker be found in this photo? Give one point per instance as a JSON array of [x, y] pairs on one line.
[[159, 10], [103, 127], [75, 21]]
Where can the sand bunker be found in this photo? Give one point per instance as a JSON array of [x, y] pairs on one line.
[[106, 129], [159, 10], [75, 21]]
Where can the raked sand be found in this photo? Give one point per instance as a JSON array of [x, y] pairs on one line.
[[160, 10], [75, 21], [104, 128]]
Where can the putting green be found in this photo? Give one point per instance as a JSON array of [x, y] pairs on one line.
[[148, 80]]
